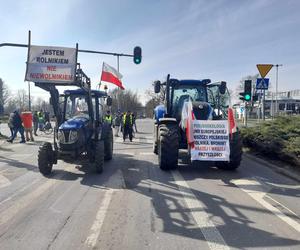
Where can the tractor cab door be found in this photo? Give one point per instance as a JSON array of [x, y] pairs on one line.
[[219, 101]]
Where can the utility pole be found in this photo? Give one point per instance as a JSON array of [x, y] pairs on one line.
[[118, 91], [29, 97], [276, 94]]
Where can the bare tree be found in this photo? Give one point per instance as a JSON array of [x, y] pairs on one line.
[[4, 95], [126, 99], [155, 99]]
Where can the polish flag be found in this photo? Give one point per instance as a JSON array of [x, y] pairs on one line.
[[110, 74]]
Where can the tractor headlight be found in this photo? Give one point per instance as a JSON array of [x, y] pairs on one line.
[[73, 136], [61, 136]]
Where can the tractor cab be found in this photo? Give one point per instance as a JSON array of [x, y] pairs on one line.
[[210, 100], [77, 126]]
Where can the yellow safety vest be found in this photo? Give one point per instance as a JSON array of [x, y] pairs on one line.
[[124, 119], [108, 119]]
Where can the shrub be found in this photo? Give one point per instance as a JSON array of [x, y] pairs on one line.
[[279, 138]]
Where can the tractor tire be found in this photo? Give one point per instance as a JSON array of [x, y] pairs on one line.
[[45, 158], [168, 145], [235, 154], [108, 145], [99, 156], [155, 150]]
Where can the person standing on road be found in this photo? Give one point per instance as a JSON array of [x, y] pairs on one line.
[[108, 118], [134, 123], [18, 127], [127, 125], [117, 123], [35, 120], [41, 120], [27, 122], [10, 124]]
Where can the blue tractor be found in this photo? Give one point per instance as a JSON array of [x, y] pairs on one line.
[[80, 129], [209, 101]]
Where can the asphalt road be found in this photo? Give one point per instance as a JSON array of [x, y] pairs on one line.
[[135, 205]]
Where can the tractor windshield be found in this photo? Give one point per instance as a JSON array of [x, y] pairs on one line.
[[76, 106], [182, 93]]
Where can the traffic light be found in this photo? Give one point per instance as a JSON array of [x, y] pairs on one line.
[[137, 55], [248, 90], [242, 96]]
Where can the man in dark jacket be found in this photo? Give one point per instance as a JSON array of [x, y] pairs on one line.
[[127, 125], [35, 120], [17, 127]]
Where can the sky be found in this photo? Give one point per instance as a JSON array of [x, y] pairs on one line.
[[220, 39]]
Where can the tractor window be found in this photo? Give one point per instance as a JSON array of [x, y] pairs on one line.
[[183, 93], [76, 106], [219, 103]]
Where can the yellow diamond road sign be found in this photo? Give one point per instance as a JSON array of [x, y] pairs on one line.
[[264, 69]]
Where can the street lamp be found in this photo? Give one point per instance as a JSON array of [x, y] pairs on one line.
[[276, 95]]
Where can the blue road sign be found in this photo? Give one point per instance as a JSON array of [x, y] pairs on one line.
[[262, 83]]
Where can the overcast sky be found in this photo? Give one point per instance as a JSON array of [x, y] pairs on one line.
[[220, 39]]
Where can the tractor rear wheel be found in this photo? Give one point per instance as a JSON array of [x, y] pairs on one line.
[[108, 145], [99, 156], [235, 154], [45, 158], [168, 145]]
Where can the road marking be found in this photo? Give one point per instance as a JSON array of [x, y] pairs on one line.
[[26, 200], [146, 153], [198, 210], [4, 182], [253, 189], [96, 227]]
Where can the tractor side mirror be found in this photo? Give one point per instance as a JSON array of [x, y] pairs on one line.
[[109, 101], [157, 87], [222, 88]]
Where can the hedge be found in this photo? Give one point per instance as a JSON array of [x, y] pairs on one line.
[[278, 139]]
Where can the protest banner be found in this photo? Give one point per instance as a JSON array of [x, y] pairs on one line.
[[48, 64], [211, 141]]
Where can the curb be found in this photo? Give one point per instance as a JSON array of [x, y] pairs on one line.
[[284, 170]]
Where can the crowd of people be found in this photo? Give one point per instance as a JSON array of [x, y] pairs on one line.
[[26, 124], [122, 122]]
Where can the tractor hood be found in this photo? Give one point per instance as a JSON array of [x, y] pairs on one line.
[[74, 123]]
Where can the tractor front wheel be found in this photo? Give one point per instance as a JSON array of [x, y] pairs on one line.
[[108, 145], [45, 158], [99, 156], [168, 145]]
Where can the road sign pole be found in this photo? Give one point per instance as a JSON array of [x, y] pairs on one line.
[[263, 106], [276, 94]]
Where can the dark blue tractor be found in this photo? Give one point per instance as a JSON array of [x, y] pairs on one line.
[[209, 101], [80, 129]]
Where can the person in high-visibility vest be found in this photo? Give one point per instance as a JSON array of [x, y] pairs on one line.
[[108, 118], [127, 125]]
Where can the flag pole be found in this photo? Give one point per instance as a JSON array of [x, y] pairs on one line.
[[118, 94]]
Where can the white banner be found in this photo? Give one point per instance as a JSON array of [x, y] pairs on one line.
[[211, 140], [51, 64]]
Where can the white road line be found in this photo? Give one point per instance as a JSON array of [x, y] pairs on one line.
[[26, 200], [91, 240], [146, 153], [247, 186], [4, 182], [198, 210]]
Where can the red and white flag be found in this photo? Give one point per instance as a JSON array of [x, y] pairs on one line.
[[110, 74]]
